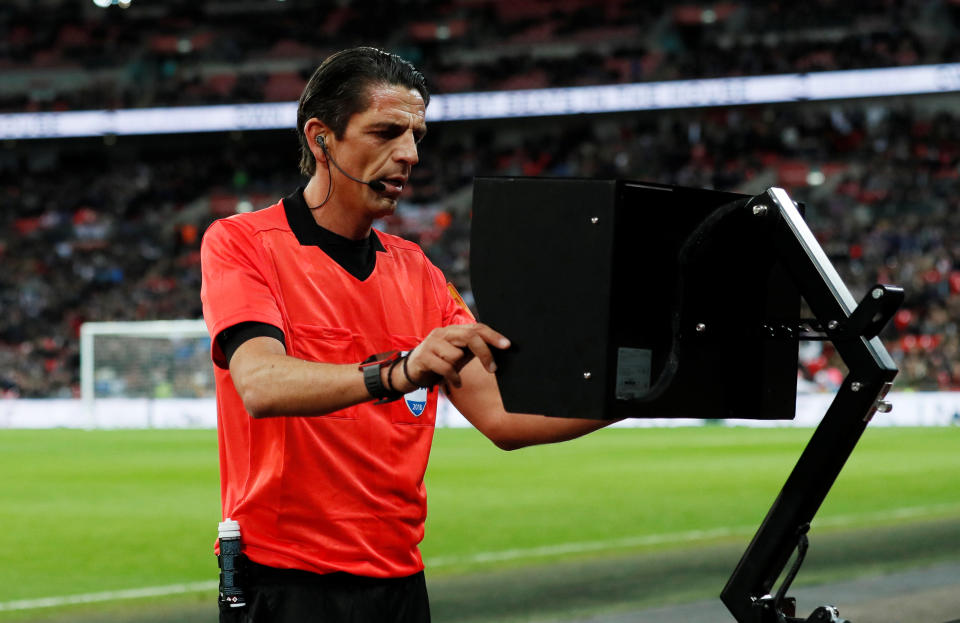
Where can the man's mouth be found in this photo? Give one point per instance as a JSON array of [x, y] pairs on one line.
[[393, 185]]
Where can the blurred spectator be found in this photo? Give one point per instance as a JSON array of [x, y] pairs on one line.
[[109, 229], [115, 238], [74, 55]]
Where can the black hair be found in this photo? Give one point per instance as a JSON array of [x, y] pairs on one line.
[[340, 87]]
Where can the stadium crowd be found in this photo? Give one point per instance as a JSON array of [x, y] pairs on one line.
[[180, 52], [110, 229], [118, 238]]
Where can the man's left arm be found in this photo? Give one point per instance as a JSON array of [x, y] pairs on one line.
[[478, 399], [473, 389]]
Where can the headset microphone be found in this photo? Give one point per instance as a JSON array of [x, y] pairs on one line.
[[376, 185]]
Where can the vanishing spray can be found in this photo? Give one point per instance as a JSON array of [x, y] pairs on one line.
[[231, 555]]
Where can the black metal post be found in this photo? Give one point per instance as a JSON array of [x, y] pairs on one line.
[[871, 371]]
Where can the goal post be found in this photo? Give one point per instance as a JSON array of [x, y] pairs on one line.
[[143, 361]]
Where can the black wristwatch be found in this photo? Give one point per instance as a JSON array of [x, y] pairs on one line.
[[371, 367]]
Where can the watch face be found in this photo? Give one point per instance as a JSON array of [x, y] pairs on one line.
[[372, 367]]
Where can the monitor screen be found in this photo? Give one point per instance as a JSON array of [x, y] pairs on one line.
[[630, 299]]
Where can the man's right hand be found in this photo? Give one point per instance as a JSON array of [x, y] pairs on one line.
[[444, 352]]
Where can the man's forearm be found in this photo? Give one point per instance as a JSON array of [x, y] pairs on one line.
[[271, 383], [480, 402], [519, 430]]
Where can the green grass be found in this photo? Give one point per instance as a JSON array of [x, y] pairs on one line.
[[87, 511], [616, 485], [108, 510]]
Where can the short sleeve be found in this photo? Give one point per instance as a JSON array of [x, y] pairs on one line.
[[236, 283], [455, 309]]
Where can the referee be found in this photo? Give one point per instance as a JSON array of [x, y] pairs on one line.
[[329, 342]]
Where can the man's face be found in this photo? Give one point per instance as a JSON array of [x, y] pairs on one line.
[[380, 143]]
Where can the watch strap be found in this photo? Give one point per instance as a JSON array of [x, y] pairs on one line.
[[372, 379]]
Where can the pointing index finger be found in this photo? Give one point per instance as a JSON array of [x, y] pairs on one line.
[[494, 338]]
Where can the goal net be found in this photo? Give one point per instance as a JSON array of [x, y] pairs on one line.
[[130, 365]]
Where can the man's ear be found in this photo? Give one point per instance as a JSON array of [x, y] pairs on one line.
[[316, 132]]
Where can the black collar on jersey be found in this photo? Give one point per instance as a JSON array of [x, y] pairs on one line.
[[357, 257]]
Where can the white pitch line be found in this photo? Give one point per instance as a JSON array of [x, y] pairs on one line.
[[896, 513], [584, 546], [133, 593], [677, 537], [510, 554]]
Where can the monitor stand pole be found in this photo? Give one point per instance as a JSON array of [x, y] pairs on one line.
[[853, 329]]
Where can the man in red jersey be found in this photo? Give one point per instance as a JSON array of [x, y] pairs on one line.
[[330, 339]]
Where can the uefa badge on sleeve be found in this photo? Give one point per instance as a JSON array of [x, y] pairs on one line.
[[416, 401]]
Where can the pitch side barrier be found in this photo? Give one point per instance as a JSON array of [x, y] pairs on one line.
[[629, 299]]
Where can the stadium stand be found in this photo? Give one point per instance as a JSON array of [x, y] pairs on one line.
[[109, 229], [179, 52]]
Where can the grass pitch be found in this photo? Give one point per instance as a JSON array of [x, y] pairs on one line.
[[627, 489], [91, 511], [88, 511]]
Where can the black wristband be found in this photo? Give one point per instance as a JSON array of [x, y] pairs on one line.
[[406, 373], [390, 374], [371, 367]]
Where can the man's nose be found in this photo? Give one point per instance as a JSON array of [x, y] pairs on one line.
[[406, 151]]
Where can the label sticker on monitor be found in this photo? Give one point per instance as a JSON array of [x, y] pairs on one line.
[[633, 373]]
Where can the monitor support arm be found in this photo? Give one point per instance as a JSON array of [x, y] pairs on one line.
[[853, 329]]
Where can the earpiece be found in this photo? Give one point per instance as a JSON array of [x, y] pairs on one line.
[[376, 185]]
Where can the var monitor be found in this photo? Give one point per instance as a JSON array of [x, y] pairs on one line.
[[630, 299]]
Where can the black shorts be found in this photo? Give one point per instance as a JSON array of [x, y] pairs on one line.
[[294, 596]]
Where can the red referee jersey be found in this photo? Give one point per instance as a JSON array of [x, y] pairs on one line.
[[337, 492]]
